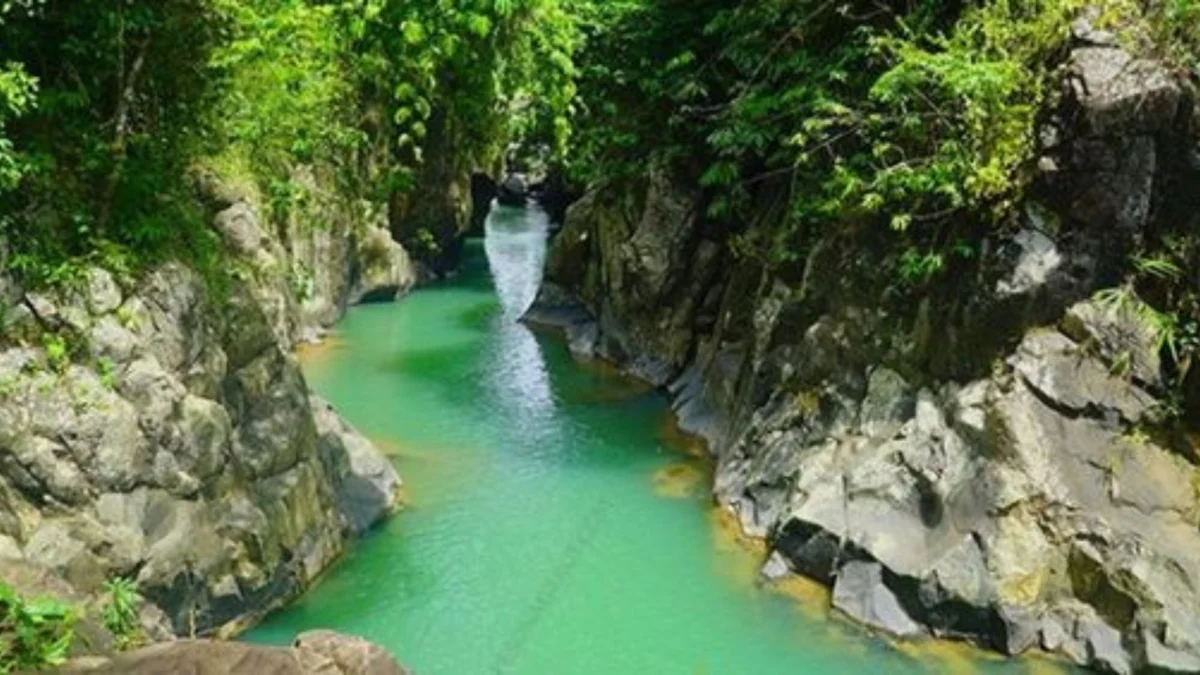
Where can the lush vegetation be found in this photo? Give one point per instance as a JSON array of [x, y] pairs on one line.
[[33, 633], [106, 108], [913, 116], [909, 123], [916, 119], [41, 632]]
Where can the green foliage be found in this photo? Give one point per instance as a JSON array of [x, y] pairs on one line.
[[104, 108], [288, 98], [120, 615], [33, 633], [58, 355], [106, 369], [916, 116], [465, 74], [100, 154]]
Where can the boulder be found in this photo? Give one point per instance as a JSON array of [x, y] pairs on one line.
[[315, 653], [368, 488], [513, 191], [384, 273]]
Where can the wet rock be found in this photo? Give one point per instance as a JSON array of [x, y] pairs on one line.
[[483, 191]]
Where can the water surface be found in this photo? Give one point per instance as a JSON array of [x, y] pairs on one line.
[[556, 524]]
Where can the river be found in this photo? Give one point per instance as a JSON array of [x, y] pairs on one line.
[[556, 521]]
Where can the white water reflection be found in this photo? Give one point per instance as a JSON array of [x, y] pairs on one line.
[[516, 250]]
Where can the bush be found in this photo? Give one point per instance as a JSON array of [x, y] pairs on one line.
[[33, 633]]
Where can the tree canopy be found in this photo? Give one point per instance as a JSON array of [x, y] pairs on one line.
[[915, 116]]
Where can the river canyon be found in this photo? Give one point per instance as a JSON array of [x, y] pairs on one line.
[[555, 520]]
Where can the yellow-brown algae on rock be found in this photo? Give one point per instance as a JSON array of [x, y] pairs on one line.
[[390, 447], [675, 438], [679, 481], [952, 658], [317, 353], [738, 556], [813, 599], [1043, 664]]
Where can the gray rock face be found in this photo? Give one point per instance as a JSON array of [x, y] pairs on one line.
[[336, 254], [861, 594], [180, 447], [367, 485], [970, 463], [1121, 105], [642, 275]]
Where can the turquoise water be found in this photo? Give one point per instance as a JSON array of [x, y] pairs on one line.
[[555, 524]]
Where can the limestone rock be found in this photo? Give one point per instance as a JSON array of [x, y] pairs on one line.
[[367, 485], [328, 652], [1123, 339], [861, 594], [385, 273], [1120, 93]]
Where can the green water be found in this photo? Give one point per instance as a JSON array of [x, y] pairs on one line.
[[537, 539]]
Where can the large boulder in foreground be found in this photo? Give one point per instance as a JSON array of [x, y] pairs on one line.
[[314, 653]]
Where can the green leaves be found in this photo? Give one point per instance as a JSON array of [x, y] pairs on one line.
[[34, 633], [413, 32], [914, 119], [120, 613]]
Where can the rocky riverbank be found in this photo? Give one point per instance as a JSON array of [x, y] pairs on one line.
[[160, 429], [314, 653], [984, 459]]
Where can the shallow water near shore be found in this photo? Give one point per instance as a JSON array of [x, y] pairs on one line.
[[556, 521]]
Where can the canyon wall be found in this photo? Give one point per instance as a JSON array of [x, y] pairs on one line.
[[986, 458]]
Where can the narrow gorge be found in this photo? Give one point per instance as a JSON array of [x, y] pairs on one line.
[[570, 336]]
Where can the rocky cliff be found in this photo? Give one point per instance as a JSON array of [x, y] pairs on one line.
[[159, 429], [982, 459]]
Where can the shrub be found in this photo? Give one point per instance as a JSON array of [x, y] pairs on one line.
[[33, 633]]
